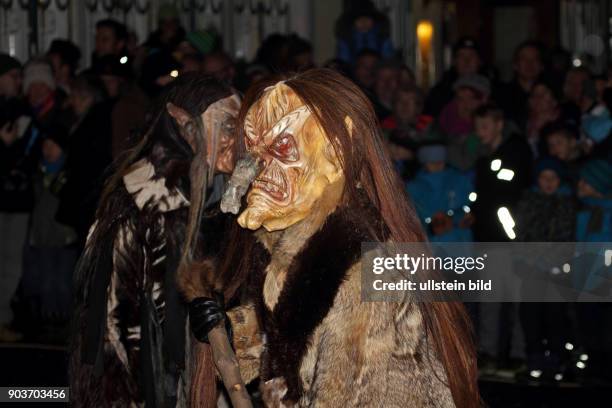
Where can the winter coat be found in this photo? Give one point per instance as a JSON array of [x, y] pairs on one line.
[[325, 346], [546, 218], [493, 192], [446, 192], [594, 220], [350, 45], [593, 225]]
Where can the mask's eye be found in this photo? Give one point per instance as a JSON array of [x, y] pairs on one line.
[[283, 147], [229, 124]]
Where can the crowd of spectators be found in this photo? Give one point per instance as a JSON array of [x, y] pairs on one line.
[[538, 145]]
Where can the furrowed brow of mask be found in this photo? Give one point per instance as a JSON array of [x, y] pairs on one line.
[[291, 122]]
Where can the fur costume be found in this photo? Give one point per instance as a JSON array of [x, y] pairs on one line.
[[321, 338], [143, 305], [132, 342], [326, 185]]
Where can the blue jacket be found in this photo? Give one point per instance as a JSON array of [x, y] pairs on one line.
[[447, 192], [595, 207], [348, 49], [593, 224]]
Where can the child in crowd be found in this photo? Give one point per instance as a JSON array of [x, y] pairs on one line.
[[441, 197], [562, 143], [546, 213]]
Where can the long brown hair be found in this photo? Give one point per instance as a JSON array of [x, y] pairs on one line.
[[332, 98]]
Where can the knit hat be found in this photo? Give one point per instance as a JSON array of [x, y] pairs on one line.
[[477, 82], [8, 63], [549, 164], [598, 174], [201, 40], [432, 153], [38, 71]]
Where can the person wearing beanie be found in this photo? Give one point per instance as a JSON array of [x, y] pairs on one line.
[[466, 61], [47, 103], [545, 213], [441, 197], [10, 77], [456, 120], [38, 85], [203, 42], [19, 160], [64, 57]]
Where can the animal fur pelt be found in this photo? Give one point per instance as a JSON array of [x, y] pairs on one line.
[[326, 346], [129, 344]]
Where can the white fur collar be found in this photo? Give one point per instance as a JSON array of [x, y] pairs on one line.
[[141, 183]]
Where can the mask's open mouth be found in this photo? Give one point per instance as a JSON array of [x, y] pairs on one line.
[[273, 183]]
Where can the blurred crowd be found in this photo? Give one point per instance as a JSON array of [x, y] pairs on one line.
[[483, 160]]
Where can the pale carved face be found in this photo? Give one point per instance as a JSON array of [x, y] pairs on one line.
[[219, 122], [299, 163]]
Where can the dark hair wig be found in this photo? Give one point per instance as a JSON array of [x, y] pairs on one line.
[[366, 165]]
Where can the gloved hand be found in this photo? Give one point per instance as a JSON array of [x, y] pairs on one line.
[[204, 314]]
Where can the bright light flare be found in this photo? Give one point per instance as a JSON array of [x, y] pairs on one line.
[[505, 174], [506, 220]]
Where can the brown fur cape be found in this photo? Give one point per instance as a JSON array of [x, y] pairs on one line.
[[331, 349]]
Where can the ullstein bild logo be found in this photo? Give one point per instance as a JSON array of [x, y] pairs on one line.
[[608, 257]]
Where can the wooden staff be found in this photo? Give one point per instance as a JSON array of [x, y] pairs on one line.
[[227, 364]]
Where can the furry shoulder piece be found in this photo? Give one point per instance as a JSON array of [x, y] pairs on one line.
[[312, 283], [129, 324], [145, 188]]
